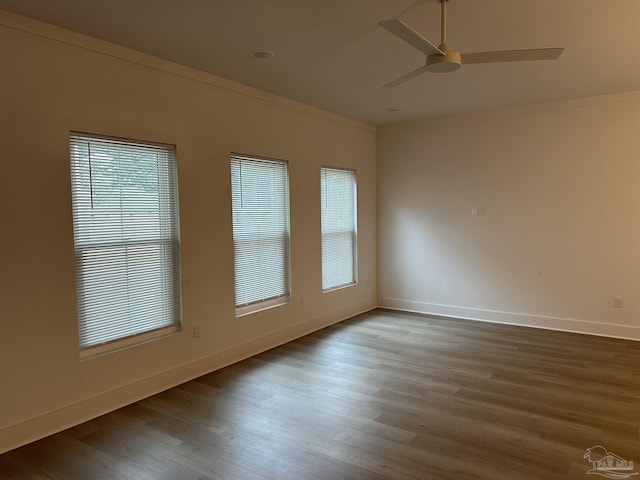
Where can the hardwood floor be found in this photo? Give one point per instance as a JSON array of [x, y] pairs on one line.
[[384, 395]]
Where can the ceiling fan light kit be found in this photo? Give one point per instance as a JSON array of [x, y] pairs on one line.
[[443, 59]]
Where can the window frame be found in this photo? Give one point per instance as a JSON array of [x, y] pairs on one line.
[[353, 232], [93, 249], [262, 302]]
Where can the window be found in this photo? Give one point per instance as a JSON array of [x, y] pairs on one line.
[[338, 212], [260, 206], [126, 236]]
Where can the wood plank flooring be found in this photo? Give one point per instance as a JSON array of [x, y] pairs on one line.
[[384, 395]]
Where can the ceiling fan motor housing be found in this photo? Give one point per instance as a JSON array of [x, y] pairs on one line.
[[450, 61]]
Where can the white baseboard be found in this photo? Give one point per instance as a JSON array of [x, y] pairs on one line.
[[627, 332], [16, 435]]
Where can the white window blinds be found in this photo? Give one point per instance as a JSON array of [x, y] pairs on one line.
[[126, 236], [338, 214], [260, 206]]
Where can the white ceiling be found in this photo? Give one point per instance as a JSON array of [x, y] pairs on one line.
[[332, 54]]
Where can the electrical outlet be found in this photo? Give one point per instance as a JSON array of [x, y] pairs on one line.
[[617, 302]]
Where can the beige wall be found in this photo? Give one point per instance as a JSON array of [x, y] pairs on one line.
[[53, 81], [561, 235]]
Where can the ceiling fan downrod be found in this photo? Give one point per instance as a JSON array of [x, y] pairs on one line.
[[443, 21]]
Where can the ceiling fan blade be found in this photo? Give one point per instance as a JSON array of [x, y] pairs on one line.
[[512, 55], [409, 35], [406, 77]]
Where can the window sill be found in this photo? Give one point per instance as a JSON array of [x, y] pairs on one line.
[[340, 287], [128, 342], [263, 305]]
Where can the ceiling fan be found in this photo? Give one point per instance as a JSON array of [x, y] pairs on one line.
[[444, 58]]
